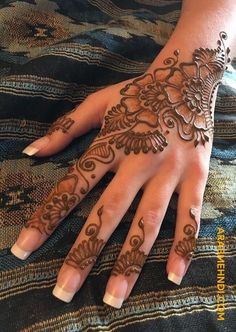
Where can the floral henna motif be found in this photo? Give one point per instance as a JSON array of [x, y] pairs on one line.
[[53, 212], [57, 206], [87, 251], [133, 260], [180, 96], [186, 247]]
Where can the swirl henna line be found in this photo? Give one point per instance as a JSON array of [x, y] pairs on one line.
[[186, 247], [171, 97], [133, 260], [100, 152], [87, 251]]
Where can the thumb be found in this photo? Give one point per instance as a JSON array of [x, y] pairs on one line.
[[87, 115]]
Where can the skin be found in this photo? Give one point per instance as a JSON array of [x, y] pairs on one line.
[[160, 125]]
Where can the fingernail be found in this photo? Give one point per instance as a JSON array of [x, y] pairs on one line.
[[36, 146], [62, 295], [174, 278], [115, 292], [28, 241], [67, 285], [177, 270], [19, 253]]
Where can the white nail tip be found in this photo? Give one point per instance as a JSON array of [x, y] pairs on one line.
[[19, 253], [30, 150], [62, 295], [115, 302], [174, 278]]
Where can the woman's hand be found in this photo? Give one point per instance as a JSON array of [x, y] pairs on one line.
[[156, 135]]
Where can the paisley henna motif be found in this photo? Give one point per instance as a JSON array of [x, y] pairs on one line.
[[87, 251], [186, 247], [133, 260]]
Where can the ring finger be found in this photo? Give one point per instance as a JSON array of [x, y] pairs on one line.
[[68, 192]]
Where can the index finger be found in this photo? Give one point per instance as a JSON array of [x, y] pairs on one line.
[[68, 192]]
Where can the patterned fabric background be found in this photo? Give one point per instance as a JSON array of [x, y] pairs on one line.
[[52, 55]]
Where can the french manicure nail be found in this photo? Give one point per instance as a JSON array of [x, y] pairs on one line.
[[67, 285], [30, 151], [36, 146], [174, 278], [113, 301], [115, 292], [178, 269], [19, 253], [28, 241], [62, 295]]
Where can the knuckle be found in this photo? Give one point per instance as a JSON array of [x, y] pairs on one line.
[[174, 161], [153, 218], [175, 158], [113, 206], [200, 169]]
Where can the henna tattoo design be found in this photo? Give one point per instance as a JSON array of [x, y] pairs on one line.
[[87, 251], [100, 152], [179, 95], [63, 123], [133, 260], [57, 207], [61, 202], [186, 247]]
